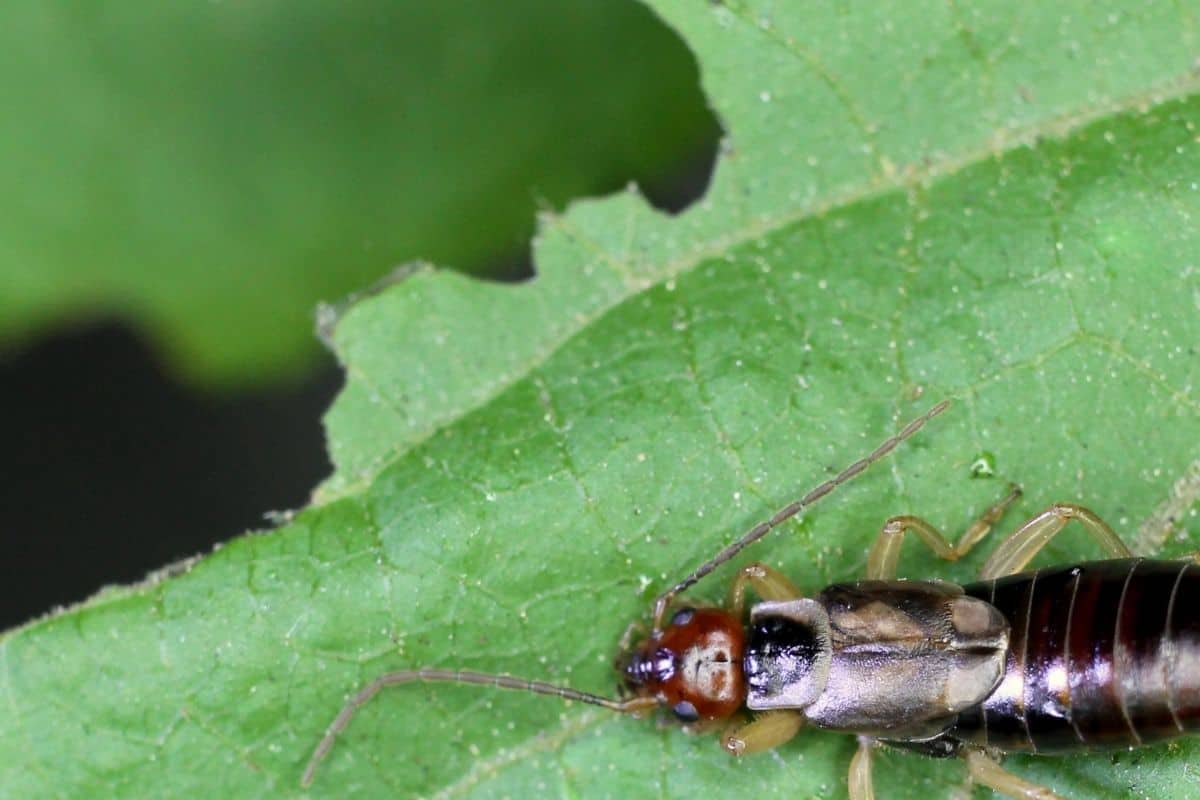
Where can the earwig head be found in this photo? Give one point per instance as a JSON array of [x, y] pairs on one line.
[[693, 667]]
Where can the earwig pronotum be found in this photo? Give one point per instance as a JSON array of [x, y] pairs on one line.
[[929, 666]]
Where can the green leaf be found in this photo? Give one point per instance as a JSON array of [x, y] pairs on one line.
[[994, 206], [210, 171]]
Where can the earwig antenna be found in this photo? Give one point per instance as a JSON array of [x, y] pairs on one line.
[[763, 528], [431, 675]]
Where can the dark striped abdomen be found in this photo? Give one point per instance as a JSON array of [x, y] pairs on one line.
[[1101, 654]]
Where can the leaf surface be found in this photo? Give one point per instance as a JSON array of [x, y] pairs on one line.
[[996, 207]]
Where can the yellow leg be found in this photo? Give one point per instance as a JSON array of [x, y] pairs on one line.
[[766, 732], [768, 583], [861, 785], [986, 771], [885, 553], [1019, 548]]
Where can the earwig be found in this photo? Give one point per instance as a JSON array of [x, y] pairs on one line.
[[932, 667]]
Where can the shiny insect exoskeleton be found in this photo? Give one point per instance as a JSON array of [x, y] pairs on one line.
[[1102, 654]]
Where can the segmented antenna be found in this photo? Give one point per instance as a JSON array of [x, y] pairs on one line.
[[432, 675], [763, 528]]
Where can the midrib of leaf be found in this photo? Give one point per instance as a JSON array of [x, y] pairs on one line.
[[895, 178]]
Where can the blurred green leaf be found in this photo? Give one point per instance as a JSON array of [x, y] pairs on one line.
[[213, 170], [993, 206]]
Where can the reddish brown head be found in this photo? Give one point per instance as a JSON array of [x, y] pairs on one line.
[[693, 667]]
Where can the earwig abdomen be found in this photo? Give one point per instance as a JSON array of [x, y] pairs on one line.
[[1104, 654]]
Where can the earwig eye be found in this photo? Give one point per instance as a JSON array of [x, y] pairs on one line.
[[683, 616], [685, 711]]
